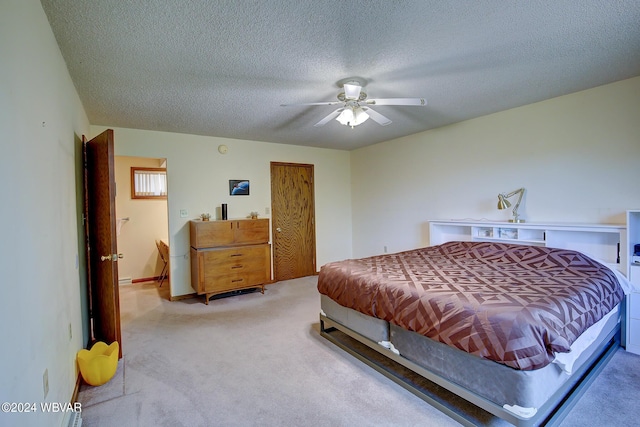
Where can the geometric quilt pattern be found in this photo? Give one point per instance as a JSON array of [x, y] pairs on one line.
[[513, 304]]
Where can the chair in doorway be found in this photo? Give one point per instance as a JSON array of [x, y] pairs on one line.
[[163, 250]]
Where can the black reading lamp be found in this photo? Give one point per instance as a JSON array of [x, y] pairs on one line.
[[503, 203]]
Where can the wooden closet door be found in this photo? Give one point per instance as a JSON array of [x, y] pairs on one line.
[[293, 220]]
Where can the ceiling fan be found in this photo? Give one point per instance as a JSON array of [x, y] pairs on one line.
[[356, 107]]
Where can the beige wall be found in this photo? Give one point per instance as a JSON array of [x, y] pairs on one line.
[[578, 156], [41, 269], [147, 222], [198, 180]]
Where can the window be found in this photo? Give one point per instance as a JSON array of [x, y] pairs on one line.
[[148, 183]]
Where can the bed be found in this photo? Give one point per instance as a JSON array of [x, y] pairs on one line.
[[518, 331]]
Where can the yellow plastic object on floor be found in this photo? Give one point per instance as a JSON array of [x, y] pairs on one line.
[[99, 364]]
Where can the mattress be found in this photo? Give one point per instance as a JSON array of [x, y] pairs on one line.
[[512, 304], [522, 392]]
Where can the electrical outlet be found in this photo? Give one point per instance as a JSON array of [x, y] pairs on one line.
[[70, 332], [45, 382], [183, 213], [267, 210], [385, 249]]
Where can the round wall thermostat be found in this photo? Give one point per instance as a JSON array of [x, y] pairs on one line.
[[223, 149]]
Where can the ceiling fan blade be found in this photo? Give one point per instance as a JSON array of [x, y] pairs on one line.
[[330, 117], [314, 103], [396, 101], [377, 117]]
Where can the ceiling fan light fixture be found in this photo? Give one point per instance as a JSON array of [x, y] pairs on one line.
[[351, 90], [352, 116], [356, 108], [345, 117]]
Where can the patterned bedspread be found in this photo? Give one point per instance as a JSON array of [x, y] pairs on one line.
[[513, 304]]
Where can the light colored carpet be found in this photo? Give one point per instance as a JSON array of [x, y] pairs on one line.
[[258, 360]]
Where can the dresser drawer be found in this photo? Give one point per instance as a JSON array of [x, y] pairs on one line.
[[212, 268], [230, 282], [224, 259], [206, 234], [223, 269]]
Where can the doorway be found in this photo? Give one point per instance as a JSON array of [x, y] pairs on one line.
[[142, 227], [293, 220]]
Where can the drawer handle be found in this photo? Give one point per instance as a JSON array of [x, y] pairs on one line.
[[237, 280], [237, 266], [236, 255]]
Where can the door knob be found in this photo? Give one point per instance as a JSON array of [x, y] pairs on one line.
[[113, 257]]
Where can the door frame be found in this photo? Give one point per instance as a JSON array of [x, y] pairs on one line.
[[121, 162]]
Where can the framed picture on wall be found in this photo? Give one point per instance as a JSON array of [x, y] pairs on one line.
[[239, 187]]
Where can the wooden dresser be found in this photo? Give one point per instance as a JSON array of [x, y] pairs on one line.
[[229, 255]]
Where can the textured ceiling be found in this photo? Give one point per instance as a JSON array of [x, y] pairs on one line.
[[223, 68]]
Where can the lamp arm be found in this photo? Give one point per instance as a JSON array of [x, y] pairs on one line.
[[517, 205]]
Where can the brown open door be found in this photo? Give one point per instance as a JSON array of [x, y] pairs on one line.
[[293, 220], [100, 194]]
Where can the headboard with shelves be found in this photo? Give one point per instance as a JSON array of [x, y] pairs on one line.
[[604, 242]]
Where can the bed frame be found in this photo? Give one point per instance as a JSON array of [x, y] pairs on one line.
[[551, 413]]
